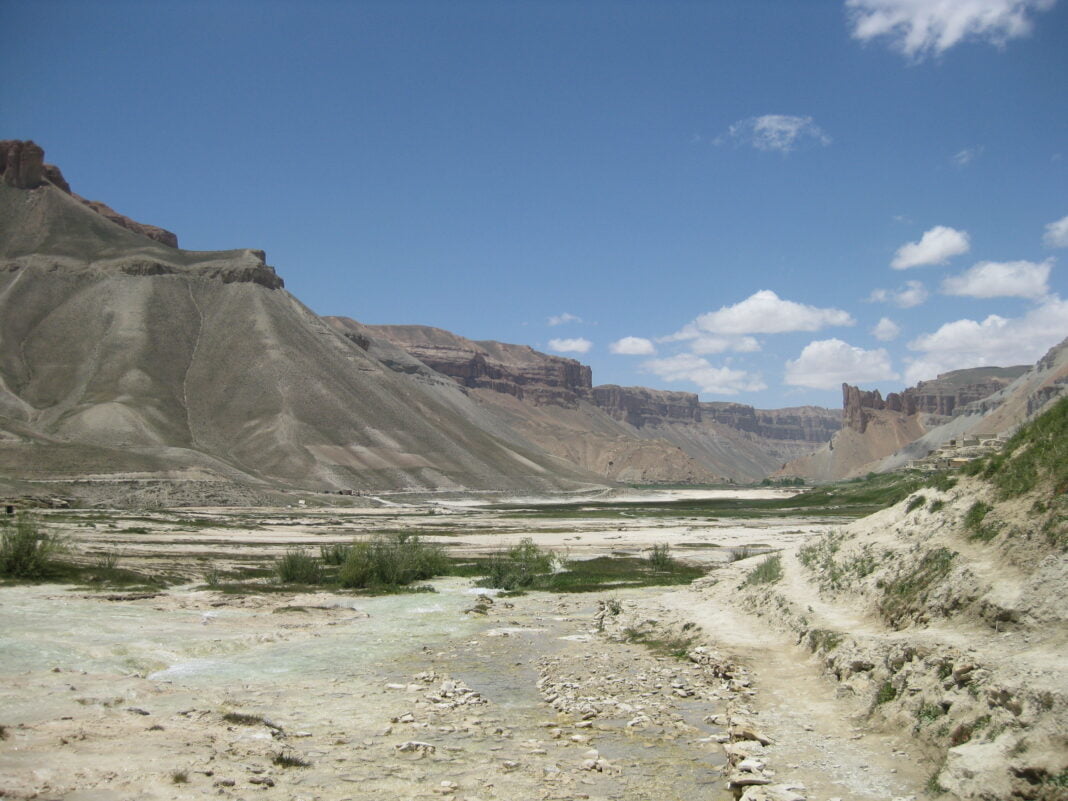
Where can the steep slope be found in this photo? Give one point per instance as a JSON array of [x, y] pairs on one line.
[[121, 354], [624, 433], [946, 614]]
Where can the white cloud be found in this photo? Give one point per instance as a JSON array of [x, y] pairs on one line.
[[886, 330], [1056, 235], [963, 158], [763, 312], [633, 346], [829, 363], [1006, 279], [566, 317], [781, 132], [994, 341], [913, 293], [936, 246], [705, 345], [577, 345], [709, 379], [919, 28]]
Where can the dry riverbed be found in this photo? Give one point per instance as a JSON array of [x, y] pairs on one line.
[[191, 691]]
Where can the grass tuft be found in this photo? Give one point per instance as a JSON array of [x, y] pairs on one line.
[[285, 759], [767, 572]]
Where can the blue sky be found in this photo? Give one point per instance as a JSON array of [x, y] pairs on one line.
[[750, 200]]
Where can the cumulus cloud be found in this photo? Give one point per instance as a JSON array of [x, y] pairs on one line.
[[936, 246], [913, 293], [828, 363], [708, 378], [886, 330], [920, 28], [994, 341], [704, 345], [962, 158], [763, 312], [781, 132], [566, 317], [633, 346], [1004, 279], [577, 345], [1056, 235]]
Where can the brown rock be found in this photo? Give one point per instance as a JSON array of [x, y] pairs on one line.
[[21, 163]]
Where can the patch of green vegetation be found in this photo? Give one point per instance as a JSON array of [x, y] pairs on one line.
[[932, 786], [660, 558], [179, 777], [973, 521], [26, 551], [1037, 452], [334, 555], [282, 610], [666, 643], [1056, 779], [299, 567], [915, 502], [824, 640], [519, 567], [937, 505], [391, 562], [853, 498], [942, 481], [767, 572], [886, 693], [903, 594], [927, 713]]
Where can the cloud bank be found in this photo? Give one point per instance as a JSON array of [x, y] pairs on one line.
[[1007, 279], [1056, 235], [994, 341], [764, 312], [913, 293], [709, 379], [829, 363]]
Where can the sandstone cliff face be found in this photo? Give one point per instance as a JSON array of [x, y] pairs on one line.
[[22, 167], [797, 424], [640, 406], [515, 370]]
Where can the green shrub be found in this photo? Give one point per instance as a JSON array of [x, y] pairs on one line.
[[937, 505], [660, 558], [915, 502], [886, 693], [334, 554], [767, 572], [518, 566], [391, 561], [299, 567], [973, 521], [26, 551]]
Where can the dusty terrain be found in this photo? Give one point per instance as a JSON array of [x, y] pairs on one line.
[[123, 694]]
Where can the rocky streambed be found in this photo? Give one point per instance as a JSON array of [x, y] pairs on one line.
[[427, 695]]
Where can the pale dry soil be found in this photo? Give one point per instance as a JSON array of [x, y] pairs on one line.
[[407, 696]]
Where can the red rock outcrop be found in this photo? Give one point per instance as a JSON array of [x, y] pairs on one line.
[[22, 166]]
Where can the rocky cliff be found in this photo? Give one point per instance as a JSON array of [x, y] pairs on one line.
[[944, 396], [797, 424], [640, 406], [22, 166], [516, 370]]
